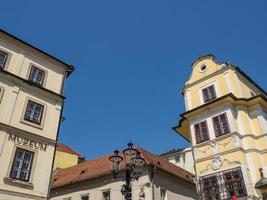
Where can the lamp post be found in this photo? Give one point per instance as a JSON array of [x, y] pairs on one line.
[[134, 164]]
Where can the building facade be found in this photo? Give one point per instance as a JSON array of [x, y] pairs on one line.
[[66, 157], [92, 179], [181, 157], [31, 103], [226, 122]]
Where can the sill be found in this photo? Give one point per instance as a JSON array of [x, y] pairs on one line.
[[219, 136], [205, 102], [35, 84], [203, 141], [35, 125], [18, 183]]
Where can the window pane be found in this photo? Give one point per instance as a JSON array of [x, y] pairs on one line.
[[212, 94], [209, 93], [224, 124], [198, 134], [217, 127], [36, 75], [21, 164], [205, 95], [34, 112], [204, 131], [85, 197], [3, 58], [223, 185], [106, 195], [201, 131]]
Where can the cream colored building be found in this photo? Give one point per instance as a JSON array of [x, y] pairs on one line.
[[31, 103], [92, 180], [226, 122], [181, 157]]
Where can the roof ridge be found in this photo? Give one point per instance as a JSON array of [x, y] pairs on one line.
[[101, 166]]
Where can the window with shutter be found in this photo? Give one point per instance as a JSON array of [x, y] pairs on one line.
[[201, 132], [209, 93], [221, 125]]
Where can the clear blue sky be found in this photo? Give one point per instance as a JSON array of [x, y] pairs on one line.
[[132, 58]]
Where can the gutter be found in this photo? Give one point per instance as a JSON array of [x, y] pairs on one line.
[[54, 156], [71, 68]]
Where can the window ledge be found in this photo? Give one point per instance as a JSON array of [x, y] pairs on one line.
[[216, 139], [31, 124], [18, 183]]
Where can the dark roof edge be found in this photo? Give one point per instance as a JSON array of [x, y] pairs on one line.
[[175, 127], [214, 101], [251, 80], [202, 57], [225, 96], [70, 67], [171, 151], [32, 84]]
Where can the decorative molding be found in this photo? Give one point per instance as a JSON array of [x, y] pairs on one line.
[[203, 151], [213, 144], [217, 164], [237, 135], [231, 151], [225, 143]]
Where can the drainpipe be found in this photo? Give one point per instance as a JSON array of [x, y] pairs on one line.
[[195, 168], [152, 182]]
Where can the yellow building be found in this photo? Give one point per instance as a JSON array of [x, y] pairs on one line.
[[66, 157], [226, 122], [31, 103]]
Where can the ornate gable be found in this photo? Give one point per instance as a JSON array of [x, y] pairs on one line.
[[204, 66]]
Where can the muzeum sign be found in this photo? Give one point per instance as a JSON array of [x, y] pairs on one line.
[[27, 142]]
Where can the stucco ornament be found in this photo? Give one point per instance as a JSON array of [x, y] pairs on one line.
[[235, 139], [213, 144], [216, 163], [142, 194]]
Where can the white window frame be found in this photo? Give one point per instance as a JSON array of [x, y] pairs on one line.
[[39, 68], [205, 86], [40, 126], [29, 182]]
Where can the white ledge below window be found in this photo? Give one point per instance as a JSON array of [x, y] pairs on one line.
[[18, 183]]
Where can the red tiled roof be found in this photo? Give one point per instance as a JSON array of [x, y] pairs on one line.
[[66, 149], [101, 166]]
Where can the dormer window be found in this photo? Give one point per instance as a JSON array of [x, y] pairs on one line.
[[37, 75], [209, 93], [3, 59]]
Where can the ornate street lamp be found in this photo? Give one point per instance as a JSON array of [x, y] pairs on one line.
[[134, 165]]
